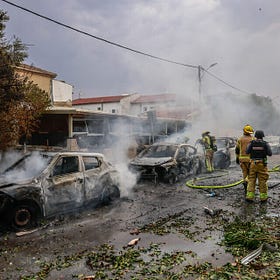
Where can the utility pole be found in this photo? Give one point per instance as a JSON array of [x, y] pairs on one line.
[[200, 74]]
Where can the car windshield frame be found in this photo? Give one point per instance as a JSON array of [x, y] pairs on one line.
[[28, 166], [159, 151], [222, 143]]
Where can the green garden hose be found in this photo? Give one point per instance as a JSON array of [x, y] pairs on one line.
[[192, 183]]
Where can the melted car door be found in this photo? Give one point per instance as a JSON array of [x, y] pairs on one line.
[[93, 171], [64, 189], [184, 158]]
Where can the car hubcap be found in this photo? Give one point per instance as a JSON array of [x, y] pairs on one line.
[[22, 217]]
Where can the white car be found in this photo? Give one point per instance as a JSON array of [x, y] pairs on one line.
[[41, 185]]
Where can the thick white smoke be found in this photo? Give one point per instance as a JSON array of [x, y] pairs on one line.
[[119, 153], [26, 169]]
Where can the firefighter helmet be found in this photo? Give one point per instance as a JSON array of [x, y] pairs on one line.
[[259, 134], [248, 129], [205, 133]]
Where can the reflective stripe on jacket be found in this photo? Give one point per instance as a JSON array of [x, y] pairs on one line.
[[241, 146], [207, 142]]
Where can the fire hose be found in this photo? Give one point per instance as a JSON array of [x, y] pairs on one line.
[[193, 182]]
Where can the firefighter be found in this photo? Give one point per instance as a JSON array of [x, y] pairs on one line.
[[240, 151], [209, 148], [258, 150]]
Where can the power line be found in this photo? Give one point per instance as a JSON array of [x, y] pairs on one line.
[[226, 83], [99, 38], [125, 47]]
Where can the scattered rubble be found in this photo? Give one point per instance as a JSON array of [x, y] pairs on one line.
[[178, 239]]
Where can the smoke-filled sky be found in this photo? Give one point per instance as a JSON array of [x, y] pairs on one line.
[[241, 36]]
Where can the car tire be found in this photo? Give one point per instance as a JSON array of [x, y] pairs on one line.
[[109, 194], [172, 178], [24, 216]]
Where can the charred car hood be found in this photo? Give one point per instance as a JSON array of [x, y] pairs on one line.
[[150, 161], [4, 183]]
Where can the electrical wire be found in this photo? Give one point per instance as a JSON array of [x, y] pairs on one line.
[[100, 38], [125, 47], [226, 83]]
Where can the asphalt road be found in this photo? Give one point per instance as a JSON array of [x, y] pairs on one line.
[[139, 217]]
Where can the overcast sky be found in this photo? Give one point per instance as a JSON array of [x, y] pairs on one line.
[[241, 36]]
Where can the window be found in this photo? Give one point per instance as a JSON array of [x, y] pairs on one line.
[[113, 111], [66, 165], [96, 126], [79, 126], [90, 162]]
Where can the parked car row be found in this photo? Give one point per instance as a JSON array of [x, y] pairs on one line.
[[45, 184]]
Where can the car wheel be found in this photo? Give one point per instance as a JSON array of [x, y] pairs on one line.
[[24, 216], [109, 194], [172, 178], [114, 192]]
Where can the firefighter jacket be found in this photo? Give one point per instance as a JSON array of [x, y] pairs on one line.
[[259, 150], [208, 142], [240, 148]]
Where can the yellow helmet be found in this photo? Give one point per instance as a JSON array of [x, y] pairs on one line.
[[248, 129], [205, 133]]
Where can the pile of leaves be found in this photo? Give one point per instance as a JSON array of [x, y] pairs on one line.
[[240, 238]]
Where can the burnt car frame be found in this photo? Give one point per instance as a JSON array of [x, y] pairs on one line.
[[222, 158], [274, 142], [166, 162], [43, 185]]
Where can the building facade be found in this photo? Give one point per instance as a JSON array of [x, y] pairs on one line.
[[99, 121]]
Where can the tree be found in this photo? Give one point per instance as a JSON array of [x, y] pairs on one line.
[[21, 101]]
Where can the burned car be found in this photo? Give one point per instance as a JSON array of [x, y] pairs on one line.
[[225, 150], [43, 184], [222, 157], [274, 142], [166, 162]]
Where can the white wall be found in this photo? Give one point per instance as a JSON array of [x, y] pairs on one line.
[[106, 108], [61, 92]]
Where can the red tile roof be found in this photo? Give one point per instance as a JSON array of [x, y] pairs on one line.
[[97, 100], [165, 97]]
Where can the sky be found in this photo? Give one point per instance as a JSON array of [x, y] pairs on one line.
[[241, 37]]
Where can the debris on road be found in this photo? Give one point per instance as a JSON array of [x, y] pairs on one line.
[[212, 212], [252, 256], [135, 231], [22, 233], [133, 242]]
